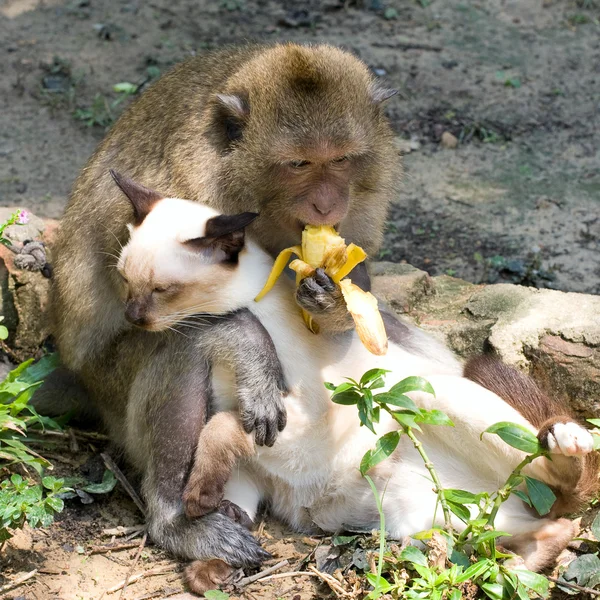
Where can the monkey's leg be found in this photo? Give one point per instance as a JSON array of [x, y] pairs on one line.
[[175, 425], [221, 443]]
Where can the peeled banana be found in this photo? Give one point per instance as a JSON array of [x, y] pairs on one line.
[[322, 247]]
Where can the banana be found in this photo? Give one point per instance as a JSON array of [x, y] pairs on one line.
[[322, 247]]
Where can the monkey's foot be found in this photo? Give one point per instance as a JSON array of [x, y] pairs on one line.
[[235, 513], [203, 492], [567, 438], [203, 575], [321, 297]]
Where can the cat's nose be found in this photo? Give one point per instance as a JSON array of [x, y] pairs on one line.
[[136, 313]]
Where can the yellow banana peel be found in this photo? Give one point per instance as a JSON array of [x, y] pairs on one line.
[[322, 247]]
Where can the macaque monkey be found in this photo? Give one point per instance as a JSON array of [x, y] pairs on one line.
[[296, 133]]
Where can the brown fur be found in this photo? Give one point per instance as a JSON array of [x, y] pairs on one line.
[[222, 442], [576, 478], [203, 575]]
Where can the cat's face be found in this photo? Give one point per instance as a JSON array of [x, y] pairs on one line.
[[181, 260]]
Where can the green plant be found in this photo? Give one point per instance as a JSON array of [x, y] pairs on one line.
[[33, 498], [472, 552], [19, 217]]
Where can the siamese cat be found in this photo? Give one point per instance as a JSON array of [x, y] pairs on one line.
[[310, 475]]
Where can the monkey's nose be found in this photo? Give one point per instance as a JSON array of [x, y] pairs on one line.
[[322, 210], [136, 315]]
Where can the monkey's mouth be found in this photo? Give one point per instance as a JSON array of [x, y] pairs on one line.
[[301, 225]]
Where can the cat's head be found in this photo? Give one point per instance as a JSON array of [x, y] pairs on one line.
[[182, 258]]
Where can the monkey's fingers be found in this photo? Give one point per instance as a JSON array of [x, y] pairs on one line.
[[280, 263], [369, 324]]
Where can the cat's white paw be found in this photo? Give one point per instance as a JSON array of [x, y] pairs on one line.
[[569, 439]]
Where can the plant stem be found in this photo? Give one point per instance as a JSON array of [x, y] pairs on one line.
[[439, 490], [381, 527]]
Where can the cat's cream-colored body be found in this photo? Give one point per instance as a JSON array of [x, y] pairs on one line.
[[310, 476]]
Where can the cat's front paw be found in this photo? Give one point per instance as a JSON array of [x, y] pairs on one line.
[[567, 438]]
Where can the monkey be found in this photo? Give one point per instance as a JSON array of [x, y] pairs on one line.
[[309, 476], [296, 133]]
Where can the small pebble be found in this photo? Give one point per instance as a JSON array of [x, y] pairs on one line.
[[449, 140]]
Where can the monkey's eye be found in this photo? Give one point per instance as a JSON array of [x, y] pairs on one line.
[[341, 159], [299, 164]]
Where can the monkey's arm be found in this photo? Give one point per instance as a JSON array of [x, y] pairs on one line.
[[241, 342]]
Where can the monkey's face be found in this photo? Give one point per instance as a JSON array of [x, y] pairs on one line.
[[181, 260]]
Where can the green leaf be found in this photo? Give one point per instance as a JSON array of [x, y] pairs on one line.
[[461, 496], [379, 583], [534, 581], [412, 384], [41, 369], [109, 481], [475, 570], [400, 400], [125, 88], [493, 590], [55, 503], [343, 540], [365, 415], [486, 536], [406, 419], [372, 375], [434, 417], [384, 446], [413, 555], [3, 332], [595, 422], [455, 595], [216, 595], [523, 496], [582, 569], [459, 558], [459, 510], [347, 398], [596, 438], [596, 527], [542, 497], [516, 436]]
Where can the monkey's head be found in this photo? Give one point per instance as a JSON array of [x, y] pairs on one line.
[[181, 259], [303, 140]]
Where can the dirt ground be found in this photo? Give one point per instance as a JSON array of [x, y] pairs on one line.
[[517, 83]]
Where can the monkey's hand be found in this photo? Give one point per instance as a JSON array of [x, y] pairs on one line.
[[322, 298], [262, 409]]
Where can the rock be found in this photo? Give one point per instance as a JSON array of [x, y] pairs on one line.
[[24, 294], [554, 336], [448, 140]]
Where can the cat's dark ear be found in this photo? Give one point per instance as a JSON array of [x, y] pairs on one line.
[[228, 116], [142, 198], [226, 233]]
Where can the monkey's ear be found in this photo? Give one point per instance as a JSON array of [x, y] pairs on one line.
[[228, 116], [142, 198], [226, 233], [380, 92]]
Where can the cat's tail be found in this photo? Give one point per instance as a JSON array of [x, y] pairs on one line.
[[573, 471]]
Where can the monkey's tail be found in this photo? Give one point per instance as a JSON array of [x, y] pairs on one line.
[[213, 536], [580, 478]]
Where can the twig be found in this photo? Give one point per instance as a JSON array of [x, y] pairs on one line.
[[91, 435], [135, 561], [138, 576], [18, 581], [331, 582], [574, 586], [289, 574], [73, 445], [121, 531], [12, 354], [293, 588], [110, 463], [247, 580], [112, 548]]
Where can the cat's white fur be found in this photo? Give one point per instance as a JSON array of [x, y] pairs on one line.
[[311, 473]]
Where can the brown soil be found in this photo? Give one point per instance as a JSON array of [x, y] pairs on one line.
[[518, 83]]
